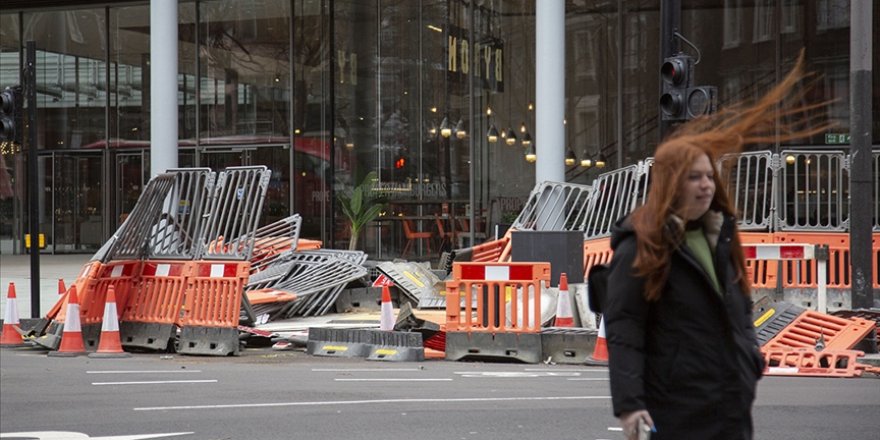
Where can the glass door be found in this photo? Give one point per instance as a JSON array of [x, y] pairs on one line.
[[130, 181], [71, 194]]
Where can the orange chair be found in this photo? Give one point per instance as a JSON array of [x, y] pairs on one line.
[[412, 235], [445, 236]]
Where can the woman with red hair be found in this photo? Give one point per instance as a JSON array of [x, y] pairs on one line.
[[683, 357]]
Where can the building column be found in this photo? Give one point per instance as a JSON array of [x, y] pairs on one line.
[[163, 86], [550, 91]]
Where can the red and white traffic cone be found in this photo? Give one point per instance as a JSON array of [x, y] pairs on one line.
[[564, 316], [387, 320], [10, 336], [110, 345], [71, 339], [600, 351], [61, 287]]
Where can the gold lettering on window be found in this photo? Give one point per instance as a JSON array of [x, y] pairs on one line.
[[452, 54], [487, 55], [465, 57], [498, 66]]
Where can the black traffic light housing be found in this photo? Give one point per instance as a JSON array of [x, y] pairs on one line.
[[680, 99], [11, 115]]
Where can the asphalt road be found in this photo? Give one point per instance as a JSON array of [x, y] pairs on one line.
[[283, 395]]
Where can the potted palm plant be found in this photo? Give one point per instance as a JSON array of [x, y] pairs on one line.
[[361, 205]]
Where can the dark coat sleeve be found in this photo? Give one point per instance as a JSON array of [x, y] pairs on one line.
[[625, 318]]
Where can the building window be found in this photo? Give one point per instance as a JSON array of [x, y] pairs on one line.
[[763, 29], [732, 23]]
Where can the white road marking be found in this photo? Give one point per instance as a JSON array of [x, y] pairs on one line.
[[346, 370], [154, 382], [140, 371], [579, 370], [370, 402], [393, 380], [516, 374], [590, 378], [65, 435]]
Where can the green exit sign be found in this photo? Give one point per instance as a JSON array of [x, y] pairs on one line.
[[837, 138]]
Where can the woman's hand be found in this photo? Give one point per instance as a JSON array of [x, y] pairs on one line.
[[629, 421]]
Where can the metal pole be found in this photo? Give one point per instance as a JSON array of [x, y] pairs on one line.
[[163, 86], [29, 75], [861, 183], [670, 22], [821, 277], [550, 91]]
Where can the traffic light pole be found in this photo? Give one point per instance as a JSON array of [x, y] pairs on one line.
[[29, 77], [670, 23], [861, 181]]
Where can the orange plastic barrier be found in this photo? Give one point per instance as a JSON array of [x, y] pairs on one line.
[[490, 250], [803, 273], [213, 294], [304, 244], [121, 275], [596, 251], [487, 290], [811, 363], [87, 275], [806, 330], [762, 273], [158, 296], [268, 296]]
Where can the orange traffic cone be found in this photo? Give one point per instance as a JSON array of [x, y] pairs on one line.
[[10, 337], [387, 320], [110, 345], [61, 287], [564, 317], [600, 351], [71, 340]]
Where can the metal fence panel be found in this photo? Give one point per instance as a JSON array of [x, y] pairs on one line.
[[175, 234], [235, 213], [750, 184], [129, 241], [554, 206], [614, 195], [815, 191]]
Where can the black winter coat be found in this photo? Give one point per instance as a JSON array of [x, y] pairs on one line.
[[690, 358]]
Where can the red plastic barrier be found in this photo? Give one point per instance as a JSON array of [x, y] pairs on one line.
[[158, 296]]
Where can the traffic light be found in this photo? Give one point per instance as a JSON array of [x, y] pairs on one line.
[[680, 99], [11, 109], [676, 72]]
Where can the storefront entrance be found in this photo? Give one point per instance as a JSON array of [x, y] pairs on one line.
[[70, 200]]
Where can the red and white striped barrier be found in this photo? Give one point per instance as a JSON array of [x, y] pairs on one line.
[[795, 251]]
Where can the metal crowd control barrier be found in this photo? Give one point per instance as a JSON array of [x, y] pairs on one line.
[[273, 240], [129, 241], [749, 178], [234, 213], [614, 195], [176, 233], [210, 314], [493, 310], [554, 206], [815, 190], [152, 312]]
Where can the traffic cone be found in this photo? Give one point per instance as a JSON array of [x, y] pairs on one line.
[[10, 336], [387, 320], [61, 287], [110, 345], [71, 339], [564, 317], [600, 351]]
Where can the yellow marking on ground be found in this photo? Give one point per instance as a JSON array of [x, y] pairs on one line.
[[765, 317]]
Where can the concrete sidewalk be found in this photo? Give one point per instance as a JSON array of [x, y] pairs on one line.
[[17, 269]]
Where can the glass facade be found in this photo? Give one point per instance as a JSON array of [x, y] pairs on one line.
[[325, 92]]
